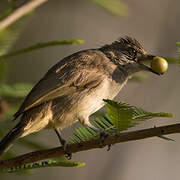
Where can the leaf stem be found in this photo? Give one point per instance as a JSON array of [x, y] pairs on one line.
[[40, 46]]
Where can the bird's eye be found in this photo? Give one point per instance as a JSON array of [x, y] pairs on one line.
[[133, 52], [130, 53]]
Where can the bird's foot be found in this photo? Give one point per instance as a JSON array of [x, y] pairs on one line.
[[64, 144], [67, 154], [103, 136], [109, 147]]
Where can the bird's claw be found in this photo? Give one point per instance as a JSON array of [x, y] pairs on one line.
[[109, 147], [67, 154], [103, 136]]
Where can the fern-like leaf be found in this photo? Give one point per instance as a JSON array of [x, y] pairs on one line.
[[40, 46], [42, 164], [124, 116], [178, 44], [138, 78], [119, 117]]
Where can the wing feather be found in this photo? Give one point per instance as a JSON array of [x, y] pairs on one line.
[[63, 79]]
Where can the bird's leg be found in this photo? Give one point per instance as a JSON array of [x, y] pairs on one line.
[[103, 134], [63, 143]]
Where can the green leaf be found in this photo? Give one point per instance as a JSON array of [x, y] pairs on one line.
[[7, 38], [140, 79], [85, 133], [3, 67], [172, 60], [115, 7], [82, 133], [178, 44], [40, 46], [166, 138], [119, 117], [42, 164], [124, 116], [9, 35], [18, 90]]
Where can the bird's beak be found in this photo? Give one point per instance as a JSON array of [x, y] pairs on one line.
[[146, 58]]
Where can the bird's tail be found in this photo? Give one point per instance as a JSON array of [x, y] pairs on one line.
[[9, 139]]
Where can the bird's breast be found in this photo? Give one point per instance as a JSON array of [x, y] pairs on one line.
[[93, 101]]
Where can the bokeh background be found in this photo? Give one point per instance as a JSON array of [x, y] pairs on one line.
[[156, 25]]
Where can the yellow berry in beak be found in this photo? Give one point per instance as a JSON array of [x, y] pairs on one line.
[[159, 65]]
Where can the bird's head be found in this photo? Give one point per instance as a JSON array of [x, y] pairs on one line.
[[128, 53]]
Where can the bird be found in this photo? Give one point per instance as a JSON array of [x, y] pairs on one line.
[[74, 88]]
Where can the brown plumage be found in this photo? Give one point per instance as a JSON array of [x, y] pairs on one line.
[[75, 87]]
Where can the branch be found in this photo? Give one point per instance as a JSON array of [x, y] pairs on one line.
[[20, 12], [40, 46], [91, 144]]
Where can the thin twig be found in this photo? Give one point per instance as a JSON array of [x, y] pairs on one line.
[[20, 12], [91, 144], [40, 46]]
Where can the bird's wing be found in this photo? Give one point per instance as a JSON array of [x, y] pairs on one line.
[[66, 77]]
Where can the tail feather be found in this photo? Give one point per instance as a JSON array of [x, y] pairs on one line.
[[9, 139]]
